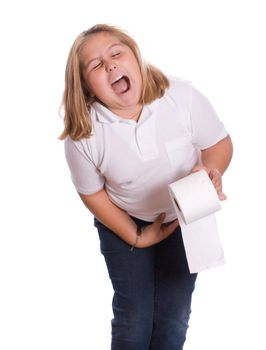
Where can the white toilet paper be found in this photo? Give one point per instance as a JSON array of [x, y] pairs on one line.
[[195, 200]]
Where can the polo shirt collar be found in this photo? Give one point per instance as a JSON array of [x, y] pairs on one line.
[[104, 115]]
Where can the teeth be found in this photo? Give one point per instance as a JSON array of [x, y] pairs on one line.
[[116, 79]]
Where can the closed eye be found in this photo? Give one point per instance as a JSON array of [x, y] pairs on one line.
[[97, 66], [115, 54]]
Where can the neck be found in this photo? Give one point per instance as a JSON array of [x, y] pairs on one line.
[[130, 113]]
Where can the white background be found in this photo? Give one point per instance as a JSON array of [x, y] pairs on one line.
[[55, 293]]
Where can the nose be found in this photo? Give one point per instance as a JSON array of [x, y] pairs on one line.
[[110, 66]]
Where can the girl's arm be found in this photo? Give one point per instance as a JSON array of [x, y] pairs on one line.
[[215, 161], [120, 222]]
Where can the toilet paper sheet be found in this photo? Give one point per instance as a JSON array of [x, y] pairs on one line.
[[195, 200]]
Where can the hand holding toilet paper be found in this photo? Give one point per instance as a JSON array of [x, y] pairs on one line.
[[195, 200]]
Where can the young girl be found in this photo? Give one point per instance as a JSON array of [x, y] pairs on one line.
[[129, 132]]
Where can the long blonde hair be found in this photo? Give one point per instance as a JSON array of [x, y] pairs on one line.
[[77, 101]]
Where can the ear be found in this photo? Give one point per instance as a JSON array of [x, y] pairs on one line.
[[91, 94], [88, 91], [86, 88]]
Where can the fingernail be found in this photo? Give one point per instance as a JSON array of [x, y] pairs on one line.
[[222, 195]]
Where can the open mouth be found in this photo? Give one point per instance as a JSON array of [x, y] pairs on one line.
[[121, 85]]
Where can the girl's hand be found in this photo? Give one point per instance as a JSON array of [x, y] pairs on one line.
[[156, 232], [216, 178]]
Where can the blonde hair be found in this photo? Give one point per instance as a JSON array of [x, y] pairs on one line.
[[76, 98]]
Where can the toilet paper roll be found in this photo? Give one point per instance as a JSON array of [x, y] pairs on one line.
[[195, 200]]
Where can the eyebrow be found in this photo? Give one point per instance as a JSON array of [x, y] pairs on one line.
[[96, 58]]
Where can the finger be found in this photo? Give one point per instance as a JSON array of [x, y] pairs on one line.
[[216, 179], [197, 168], [222, 196], [214, 174], [159, 220], [217, 184], [167, 230]]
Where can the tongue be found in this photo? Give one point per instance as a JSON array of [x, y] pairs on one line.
[[120, 86]]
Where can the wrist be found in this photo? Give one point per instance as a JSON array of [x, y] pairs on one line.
[[138, 235]]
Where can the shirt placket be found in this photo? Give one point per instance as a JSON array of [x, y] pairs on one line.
[[146, 139]]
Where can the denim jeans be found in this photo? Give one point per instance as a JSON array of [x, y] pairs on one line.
[[152, 291]]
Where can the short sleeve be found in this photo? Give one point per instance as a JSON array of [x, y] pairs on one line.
[[85, 175], [207, 128]]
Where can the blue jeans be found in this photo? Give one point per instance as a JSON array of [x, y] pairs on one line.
[[152, 292]]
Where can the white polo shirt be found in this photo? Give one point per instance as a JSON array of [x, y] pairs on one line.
[[135, 161]]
